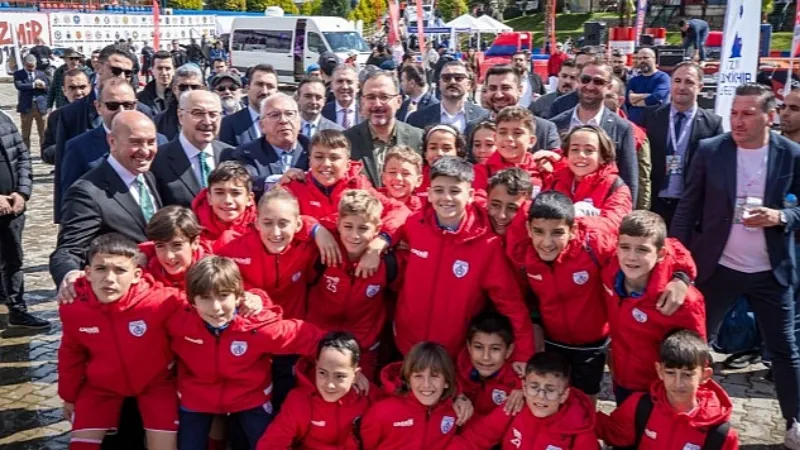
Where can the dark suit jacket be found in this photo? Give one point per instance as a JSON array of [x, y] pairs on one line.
[[621, 132], [49, 141], [325, 124], [237, 129], [261, 160], [564, 103], [427, 100], [329, 112], [433, 114], [706, 124], [704, 215], [537, 86], [176, 181], [547, 137], [167, 122], [362, 149], [25, 90], [97, 204]]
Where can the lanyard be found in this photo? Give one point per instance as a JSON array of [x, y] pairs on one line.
[[756, 175], [687, 125]]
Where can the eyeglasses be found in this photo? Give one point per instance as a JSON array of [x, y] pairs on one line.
[[79, 87], [458, 77], [189, 87], [117, 71], [372, 98], [200, 114], [276, 115], [548, 392], [226, 88], [113, 106], [586, 79]]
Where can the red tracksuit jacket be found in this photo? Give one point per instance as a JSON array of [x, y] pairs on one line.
[[401, 422], [214, 228], [571, 428], [570, 289], [496, 163], [448, 277], [638, 328], [485, 395], [308, 422], [314, 202], [284, 276], [121, 347], [156, 270], [669, 430], [230, 371], [426, 180], [413, 202], [595, 188]]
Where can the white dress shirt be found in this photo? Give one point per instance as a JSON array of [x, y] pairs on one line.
[[351, 115], [314, 127], [128, 178], [193, 155], [597, 120], [527, 91], [458, 120]]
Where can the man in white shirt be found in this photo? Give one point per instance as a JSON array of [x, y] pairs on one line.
[[531, 82], [344, 109], [310, 100]]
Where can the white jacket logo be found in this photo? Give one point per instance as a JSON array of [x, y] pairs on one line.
[[404, 423], [553, 447], [89, 330], [331, 283], [238, 348], [137, 327], [639, 315], [460, 268], [296, 277], [690, 446], [516, 439], [314, 203], [421, 253], [447, 424], [580, 278], [535, 276], [372, 290], [651, 434], [318, 423], [243, 261]]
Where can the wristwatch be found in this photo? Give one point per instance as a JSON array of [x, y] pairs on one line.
[[783, 217]]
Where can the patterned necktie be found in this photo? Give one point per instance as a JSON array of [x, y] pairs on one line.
[[346, 119], [309, 130], [679, 117], [286, 161], [257, 126], [145, 200], [205, 169]]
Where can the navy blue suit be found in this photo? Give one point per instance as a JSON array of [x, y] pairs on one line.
[[329, 112], [261, 160], [237, 129], [26, 91], [429, 99]]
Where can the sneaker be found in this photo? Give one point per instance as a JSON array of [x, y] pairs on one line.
[[792, 439], [26, 320]]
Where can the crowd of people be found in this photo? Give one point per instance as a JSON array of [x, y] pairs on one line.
[[379, 261]]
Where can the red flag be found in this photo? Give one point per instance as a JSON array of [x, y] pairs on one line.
[[421, 27], [156, 27], [394, 15]]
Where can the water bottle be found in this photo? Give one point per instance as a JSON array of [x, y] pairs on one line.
[[790, 201]]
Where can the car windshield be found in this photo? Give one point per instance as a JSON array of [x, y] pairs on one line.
[[343, 41]]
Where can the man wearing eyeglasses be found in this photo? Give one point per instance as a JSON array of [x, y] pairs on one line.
[[156, 94], [76, 86], [55, 95], [228, 87], [188, 77], [649, 88], [280, 148], [182, 166]]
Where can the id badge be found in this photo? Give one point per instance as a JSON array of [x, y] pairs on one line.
[[743, 207], [674, 165]]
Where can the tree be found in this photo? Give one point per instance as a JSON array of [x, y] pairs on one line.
[[451, 9], [185, 4], [336, 8], [311, 7], [365, 12], [228, 5], [288, 6]]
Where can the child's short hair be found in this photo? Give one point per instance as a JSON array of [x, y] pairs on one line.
[[491, 322], [341, 341], [641, 223], [453, 167], [608, 152], [113, 244], [278, 194], [360, 202], [170, 221], [552, 205], [213, 275], [685, 349], [461, 144], [403, 153], [231, 171], [330, 139], [516, 181], [516, 113], [432, 356], [549, 363]]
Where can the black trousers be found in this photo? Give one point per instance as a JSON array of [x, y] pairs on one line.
[[664, 207], [12, 280]]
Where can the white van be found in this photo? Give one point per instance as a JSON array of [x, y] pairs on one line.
[[292, 43]]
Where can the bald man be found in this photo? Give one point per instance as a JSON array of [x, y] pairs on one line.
[[119, 195], [182, 166], [649, 88]]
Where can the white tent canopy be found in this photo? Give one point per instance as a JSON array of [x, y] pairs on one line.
[[465, 21], [491, 25]]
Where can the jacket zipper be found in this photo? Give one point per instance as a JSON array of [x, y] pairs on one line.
[[562, 305], [119, 354], [434, 287], [277, 272], [427, 425], [216, 368]]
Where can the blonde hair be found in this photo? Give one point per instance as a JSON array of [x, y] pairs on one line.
[[404, 153], [429, 356], [359, 202], [278, 193], [213, 275]]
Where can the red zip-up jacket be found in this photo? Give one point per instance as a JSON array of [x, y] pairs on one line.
[[313, 201], [285, 276], [571, 428], [638, 328], [401, 422], [213, 227], [157, 271], [230, 371], [487, 394], [120, 347], [595, 188], [570, 288], [496, 163], [308, 422], [426, 180], [448, 278], [667, 429], [414, 202]]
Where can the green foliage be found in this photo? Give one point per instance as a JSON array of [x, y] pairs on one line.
[[451, 9], [311, 8], [336, 8], [228, 5], [767, 6], [185, 4], [364, 11], [288, 6]]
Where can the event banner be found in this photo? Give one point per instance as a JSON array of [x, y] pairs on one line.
[[739, 53], [17, 31], [641, 14]]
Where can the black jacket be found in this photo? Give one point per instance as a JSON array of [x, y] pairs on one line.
[[167, 121], [17, 156], [149, 97]]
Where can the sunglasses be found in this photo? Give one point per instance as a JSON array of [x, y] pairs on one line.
[[226, 89], [117, 71], [113, 106], [189, 87], [586, 79], [458, 77]]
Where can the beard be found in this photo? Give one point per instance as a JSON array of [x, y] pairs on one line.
[[230, 104]]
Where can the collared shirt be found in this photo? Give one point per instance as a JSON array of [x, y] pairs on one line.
[[255, 116], [192, 153], [458, 120], [351, 115], [106, 128], [285, 156], [380, 146], [597, 120], [674, 186], [527, 91], [314, 127], [128, 178]]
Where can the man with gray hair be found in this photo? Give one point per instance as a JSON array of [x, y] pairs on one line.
[[31, 87], [188, 77], [280, 147], [181, 167]]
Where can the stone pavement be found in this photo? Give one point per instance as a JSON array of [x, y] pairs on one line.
[[30, 414]]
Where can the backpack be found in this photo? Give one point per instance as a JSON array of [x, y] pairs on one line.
[[715, 438], [739, 330]]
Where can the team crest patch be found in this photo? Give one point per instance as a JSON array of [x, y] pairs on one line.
[[238, 348], [639, 315], [295, 277], [137, 328], [499, 396], [690, 446], [580, 278], [372, 290], [447, 424], [460, 268]]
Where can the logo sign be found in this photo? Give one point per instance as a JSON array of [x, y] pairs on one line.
[[580, 278], [499, 396], [460, 268], [137, 328], [448, 422], [690, 446], [372, 290], [295, 277], [238, 348], [516, 438], [331, 283], [639, 315]]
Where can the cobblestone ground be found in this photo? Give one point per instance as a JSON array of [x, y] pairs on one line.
[[30, 414]]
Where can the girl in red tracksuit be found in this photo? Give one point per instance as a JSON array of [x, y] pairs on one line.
[[223, 358], [227, 207], [591, 178], [320, 413], [401, 177], [440, 140], [418, 412], [482, 142]]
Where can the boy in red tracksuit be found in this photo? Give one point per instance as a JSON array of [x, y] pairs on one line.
[[455, 261], [591, 178], [555, 416], [402, 175], [114, 346], [319, 414], [227, 207], [632, 283], [340, 300], [223, 358], [508, 200], [174, 244], [684, 409], [485, 374]]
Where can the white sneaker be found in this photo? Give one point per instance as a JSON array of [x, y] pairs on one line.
[[792, 439]]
